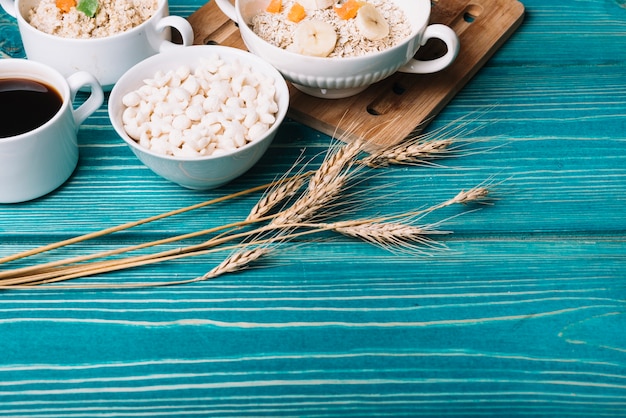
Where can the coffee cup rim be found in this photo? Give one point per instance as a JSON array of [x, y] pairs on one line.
[[15, 68]]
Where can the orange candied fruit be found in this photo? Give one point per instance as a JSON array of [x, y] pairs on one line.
[[348, 9], [296, 13], [65, 5], [274, 6]]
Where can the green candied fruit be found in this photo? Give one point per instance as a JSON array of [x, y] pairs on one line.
[[88, 7]]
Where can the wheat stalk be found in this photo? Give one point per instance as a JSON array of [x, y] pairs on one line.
[[280, 186], [334, 163], [68, 270], [106, 231], [412, 152], [391, 235], [476, 194], [236, 262], [424, 148], [276, 195], [325, 184], [51, 267]]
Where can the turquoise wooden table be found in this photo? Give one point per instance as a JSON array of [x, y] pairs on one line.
[[520, 310]]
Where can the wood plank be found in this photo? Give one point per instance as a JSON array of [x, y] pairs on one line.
[[523, 315]]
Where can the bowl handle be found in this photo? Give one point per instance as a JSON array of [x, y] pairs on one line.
[[181, 25], [436, 31], [225, 6]]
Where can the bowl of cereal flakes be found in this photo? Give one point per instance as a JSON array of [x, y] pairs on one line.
[[337, 48], [199, 116], [102, 37]]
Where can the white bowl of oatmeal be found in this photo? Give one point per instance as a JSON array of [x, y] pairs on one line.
[[199, 116], [118, 35], [327, 51]]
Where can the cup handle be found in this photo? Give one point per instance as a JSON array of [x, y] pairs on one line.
[[227, 8], [181, 25], [9, 7], [77, 81], [449, 37]]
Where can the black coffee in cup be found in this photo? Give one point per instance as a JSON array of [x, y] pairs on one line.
[[25, 105]]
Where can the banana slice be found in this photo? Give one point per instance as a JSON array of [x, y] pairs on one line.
[[371, 23], [316, 4], [314, 37]]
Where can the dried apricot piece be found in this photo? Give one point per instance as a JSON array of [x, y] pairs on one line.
[[348, 9], [65, 5], [296, 13], [274, 6]]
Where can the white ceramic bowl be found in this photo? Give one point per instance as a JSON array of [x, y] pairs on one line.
[[343, 77], [105, 58], [197, 172]]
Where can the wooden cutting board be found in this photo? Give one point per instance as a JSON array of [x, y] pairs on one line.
[[404, 102]]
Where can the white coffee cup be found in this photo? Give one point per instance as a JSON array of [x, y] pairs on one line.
[[332, 77], [106, 58], [37, 162]]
